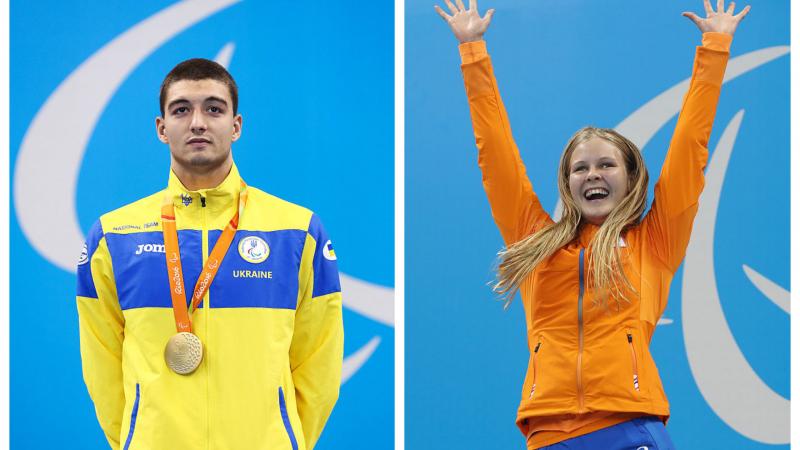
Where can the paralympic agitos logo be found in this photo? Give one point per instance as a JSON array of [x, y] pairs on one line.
[[63, 144]]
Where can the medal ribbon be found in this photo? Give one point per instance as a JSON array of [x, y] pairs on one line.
[[177, 288]]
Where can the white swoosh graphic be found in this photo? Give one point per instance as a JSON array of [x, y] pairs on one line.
[[729, 385], [224, 56], [51, 153], [354, 362], [780, 296], [370, 300], [645, 122]]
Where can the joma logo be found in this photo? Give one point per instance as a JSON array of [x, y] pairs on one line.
[[150, 248]]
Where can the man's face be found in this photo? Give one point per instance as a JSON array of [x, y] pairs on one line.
[[198, 124], [598, 179]]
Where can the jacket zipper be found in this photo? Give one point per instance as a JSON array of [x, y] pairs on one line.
[[581, 289], [206, 301], [535, 352], [633, 358], [285, 416], [134, 413]]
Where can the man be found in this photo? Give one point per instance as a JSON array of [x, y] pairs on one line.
[[210, 312]]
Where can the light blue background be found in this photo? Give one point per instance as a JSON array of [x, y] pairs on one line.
[[562, 65], [316, 91]]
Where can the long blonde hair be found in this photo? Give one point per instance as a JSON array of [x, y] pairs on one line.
[[605, 272]]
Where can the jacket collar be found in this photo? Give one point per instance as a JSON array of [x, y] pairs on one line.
[[218, 199], [586, 233]]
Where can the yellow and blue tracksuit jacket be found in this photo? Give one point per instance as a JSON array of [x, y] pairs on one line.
[[272, 331]]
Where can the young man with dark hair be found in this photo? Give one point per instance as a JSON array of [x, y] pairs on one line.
[[210, 312], [199, 69]]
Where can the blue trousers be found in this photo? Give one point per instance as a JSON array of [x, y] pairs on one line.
[[642, 433]]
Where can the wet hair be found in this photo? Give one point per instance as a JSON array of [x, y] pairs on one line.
[[605, 272], [199, 69]]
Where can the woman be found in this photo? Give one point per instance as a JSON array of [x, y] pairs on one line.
[[595, 282]]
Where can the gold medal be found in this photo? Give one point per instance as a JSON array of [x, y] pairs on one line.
[[183, 353]]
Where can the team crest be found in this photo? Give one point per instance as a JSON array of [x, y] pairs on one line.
[[253, 249], [186, 199], [327, 251], [84, 255]]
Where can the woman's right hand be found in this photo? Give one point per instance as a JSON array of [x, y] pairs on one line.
[[467, 24]]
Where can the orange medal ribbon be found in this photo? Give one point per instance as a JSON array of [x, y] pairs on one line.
[[177, 288]]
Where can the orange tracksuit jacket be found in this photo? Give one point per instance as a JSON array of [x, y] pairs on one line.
[[585, 361]]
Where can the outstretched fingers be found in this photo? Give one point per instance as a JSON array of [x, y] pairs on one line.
[[460, 5], [707, 5], [451, 7], [742, 13], [693, 17], [488, 16], [447, 18], [731, 8]]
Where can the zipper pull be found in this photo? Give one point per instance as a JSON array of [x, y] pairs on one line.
[[535, 351], [630, 338], [202, 201]]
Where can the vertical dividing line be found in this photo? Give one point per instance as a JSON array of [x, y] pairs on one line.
[[399, 224]]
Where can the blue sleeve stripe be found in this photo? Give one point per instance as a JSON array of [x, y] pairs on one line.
[[86, 287], [326, 270]]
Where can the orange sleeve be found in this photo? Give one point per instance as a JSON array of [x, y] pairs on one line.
[[515, 207], [668, 225]]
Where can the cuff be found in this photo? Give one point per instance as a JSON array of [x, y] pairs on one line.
[[720, 42], [472, 51]]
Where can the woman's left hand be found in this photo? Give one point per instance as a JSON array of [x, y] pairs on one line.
[[721, 21]]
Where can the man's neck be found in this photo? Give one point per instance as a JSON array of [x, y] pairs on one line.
[[195, 181]]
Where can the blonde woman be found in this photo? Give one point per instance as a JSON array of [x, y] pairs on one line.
[[595, 282]]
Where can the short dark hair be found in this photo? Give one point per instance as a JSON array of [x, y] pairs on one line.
[[199, 69]]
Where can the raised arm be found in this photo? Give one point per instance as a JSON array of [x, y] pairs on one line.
[[515, 207], [669, 222]]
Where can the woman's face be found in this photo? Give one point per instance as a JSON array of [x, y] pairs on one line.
[[598, 179]]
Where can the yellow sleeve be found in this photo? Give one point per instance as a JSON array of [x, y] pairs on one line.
[[668, 224], [318, 342], [515, 207], [101, 333]]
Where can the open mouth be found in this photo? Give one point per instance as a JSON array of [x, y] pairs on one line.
[[595, 194]]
